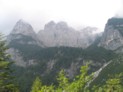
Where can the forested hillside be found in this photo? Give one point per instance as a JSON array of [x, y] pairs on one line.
[[49, 61]]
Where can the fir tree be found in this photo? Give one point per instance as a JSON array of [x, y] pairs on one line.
[[36, 85], [5, 72]]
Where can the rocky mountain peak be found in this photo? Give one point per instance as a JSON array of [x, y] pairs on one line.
[[61, 34], [22, 27], [112, 38], [24, 34], [115, 21], [50, 26], [22, 21], [62, 25]]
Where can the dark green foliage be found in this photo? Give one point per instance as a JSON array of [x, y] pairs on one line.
[[24, 38], [24, 47], [80, 83], [113, 84], [6, 84], [36, 85], [62, 56], [115, 67]]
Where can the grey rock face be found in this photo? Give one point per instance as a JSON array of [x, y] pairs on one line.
[[60, 34], [112, 38], [23, 30], [54, 35], [18, 59]]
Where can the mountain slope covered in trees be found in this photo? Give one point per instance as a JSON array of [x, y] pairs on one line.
[[34, 58]]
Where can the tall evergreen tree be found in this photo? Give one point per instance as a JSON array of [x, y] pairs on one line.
[[5, 72], [36, 85]]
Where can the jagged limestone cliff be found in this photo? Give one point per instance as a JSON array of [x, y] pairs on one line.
[[112, 38], [60, 34]]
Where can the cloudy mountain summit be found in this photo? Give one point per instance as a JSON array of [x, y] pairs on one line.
[[60, 34], [22, 27], [112, 38], [24, 32], [54, 35], [60, 46]]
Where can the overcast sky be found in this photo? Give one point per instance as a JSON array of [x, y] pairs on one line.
[[75, 12]]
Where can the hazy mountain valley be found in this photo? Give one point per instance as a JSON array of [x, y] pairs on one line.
[[59, 46]]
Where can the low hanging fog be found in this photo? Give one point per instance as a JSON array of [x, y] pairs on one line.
[[77, 13]]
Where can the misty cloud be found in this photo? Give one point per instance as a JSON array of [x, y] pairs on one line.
[[75, 12], [120, 10]]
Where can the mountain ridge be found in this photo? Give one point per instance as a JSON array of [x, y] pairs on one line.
[[55, 34], [112, 37], [35, 60]]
